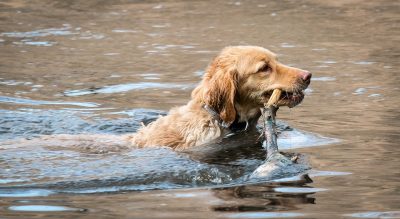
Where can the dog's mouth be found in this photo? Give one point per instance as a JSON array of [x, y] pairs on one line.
[[289, 99]]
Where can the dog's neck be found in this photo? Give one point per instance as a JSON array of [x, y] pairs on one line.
[[245, 117], [215, 115], [246, 113]]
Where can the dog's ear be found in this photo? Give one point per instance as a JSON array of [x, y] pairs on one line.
[[218, 89]]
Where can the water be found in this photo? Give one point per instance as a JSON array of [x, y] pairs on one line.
[[101, 68]]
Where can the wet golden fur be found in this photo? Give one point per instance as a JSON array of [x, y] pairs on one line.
[[236, 84]]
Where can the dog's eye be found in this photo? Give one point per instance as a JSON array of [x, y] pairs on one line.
[[265, 68]]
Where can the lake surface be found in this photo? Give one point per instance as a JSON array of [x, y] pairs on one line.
[[104, 67]]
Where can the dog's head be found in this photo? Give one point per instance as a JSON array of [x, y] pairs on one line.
[[241, 79]]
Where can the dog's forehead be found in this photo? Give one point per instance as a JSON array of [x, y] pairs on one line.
[[253, 52], [261, 54]]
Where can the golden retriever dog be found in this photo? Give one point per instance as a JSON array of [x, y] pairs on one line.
[[235, 85]]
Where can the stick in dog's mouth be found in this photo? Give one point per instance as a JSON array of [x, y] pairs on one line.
[[272, 104], [279, 97], [269, 114], [273, 100], [276, 163]]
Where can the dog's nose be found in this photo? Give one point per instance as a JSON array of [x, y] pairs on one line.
[[305, 75]]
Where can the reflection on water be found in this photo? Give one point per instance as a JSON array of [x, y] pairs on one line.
[[103, 67]]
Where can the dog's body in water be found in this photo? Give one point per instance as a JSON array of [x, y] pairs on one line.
[[235, 85]]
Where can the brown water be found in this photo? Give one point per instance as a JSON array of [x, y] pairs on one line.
[[94, 66]]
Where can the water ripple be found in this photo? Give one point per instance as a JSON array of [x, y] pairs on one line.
[[120, 88], [376, 214], [63, 31], [14, 100], [264, 215], [43, 208], [25, 193], [323, 79]]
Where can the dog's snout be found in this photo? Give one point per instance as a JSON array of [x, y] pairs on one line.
[[305, 75]]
